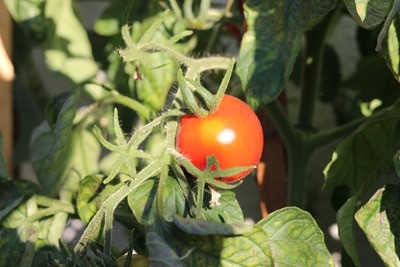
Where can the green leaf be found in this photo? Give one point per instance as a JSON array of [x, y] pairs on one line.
[[41, 141], [175, 202], [87, 200], [12, 193], [81, 150], [153, 71], [64, 148], [368, 13], [51, 151], [358, 162], [11, 247], [31, 15], [373, 80], [85, 153], [229, 210], [34, 231], [362, 157], [200, 227], [288, 237], [62, 129], [108, 161], [345, 221], [380, 221], [47, 255], [158, 72], [160, 253], [141, 200], [62, 103], [396, 162], [67, 48], [24, 10], [272, 42], [52, 229], [108, 23], [390, 48], [91, 195], [295, 239], [27, 232]]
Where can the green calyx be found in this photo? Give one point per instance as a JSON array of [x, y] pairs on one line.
[[197, 98]]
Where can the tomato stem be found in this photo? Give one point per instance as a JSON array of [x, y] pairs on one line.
[[211, 102], [312, 66], [298, 143], [160, 193], [189, 98], [200, 196], [223, 86]]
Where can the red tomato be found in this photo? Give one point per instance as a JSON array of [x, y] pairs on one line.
[[233, 134]]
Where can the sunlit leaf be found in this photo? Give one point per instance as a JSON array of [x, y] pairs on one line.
[[390, 49], [12, 193], [67, 48], [272, 42], [229, 210], [31, 15], [85, 152], [109, 23], [29, 243], [137, 260], [91, 194], [380, 220], [290, 237], [359, 161], [368, 13], [295, 239], [88, 199], [28, 231]]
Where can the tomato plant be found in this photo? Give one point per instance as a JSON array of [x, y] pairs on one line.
[[149, 100], [232, 133]]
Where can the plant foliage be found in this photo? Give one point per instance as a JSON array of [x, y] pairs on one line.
[[105, 152]]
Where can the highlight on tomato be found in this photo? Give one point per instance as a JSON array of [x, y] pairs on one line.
[[232, 134]]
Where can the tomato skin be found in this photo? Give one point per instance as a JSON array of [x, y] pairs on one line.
[[233, 134]]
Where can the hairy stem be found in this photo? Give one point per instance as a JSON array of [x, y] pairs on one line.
[[282, 124], [110, 204], [321, 138], [297, 146]]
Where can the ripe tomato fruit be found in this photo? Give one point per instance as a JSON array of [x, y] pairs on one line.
[[233, 134]]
